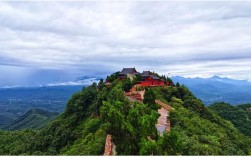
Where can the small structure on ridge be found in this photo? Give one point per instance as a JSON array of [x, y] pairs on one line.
[[148, 78], [128, 72]]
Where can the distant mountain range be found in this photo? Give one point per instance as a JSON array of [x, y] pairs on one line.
[[209, 90], [218, 89], [33, 119]]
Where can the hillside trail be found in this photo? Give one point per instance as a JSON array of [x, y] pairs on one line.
[[163, 122]]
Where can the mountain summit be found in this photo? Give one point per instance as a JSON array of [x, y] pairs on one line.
[[134, 115]]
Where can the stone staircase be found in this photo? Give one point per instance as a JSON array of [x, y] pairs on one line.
[[108, 146], [163, 123], [165, 106]]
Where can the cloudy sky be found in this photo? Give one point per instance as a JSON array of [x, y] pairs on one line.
[[54, 41]]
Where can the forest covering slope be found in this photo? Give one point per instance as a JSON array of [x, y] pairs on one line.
[[239, 115], [102, 109], [33, 119]]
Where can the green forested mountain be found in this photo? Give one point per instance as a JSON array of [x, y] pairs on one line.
[[102, 109], [33, 119], [239, 115]]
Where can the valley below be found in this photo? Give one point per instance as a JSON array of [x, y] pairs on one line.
[[15, 102]]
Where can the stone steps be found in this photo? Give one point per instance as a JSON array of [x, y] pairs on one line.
[[108, 146]]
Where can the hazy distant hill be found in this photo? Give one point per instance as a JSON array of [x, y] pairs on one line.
[[217, 89], [14, 102], [33, 119]]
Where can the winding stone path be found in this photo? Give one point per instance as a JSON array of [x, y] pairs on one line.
[[163, 123]]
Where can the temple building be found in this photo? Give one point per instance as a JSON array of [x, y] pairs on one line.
[[128, 72], [148, 79]]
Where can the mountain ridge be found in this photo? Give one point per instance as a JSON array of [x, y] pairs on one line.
[[217, 89], [33, 119], [103, 108]]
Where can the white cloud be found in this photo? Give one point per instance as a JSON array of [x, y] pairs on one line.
[[183, 38]]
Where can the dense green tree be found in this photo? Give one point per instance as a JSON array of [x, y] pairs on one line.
[[149, 97], [148, 147], [170, 143], [238, 115], [127, 84], [113, 77], [101, 84]]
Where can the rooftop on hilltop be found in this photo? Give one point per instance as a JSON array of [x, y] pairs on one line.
[[128, 71], [148, 78], [146, 73], [154, 77]]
